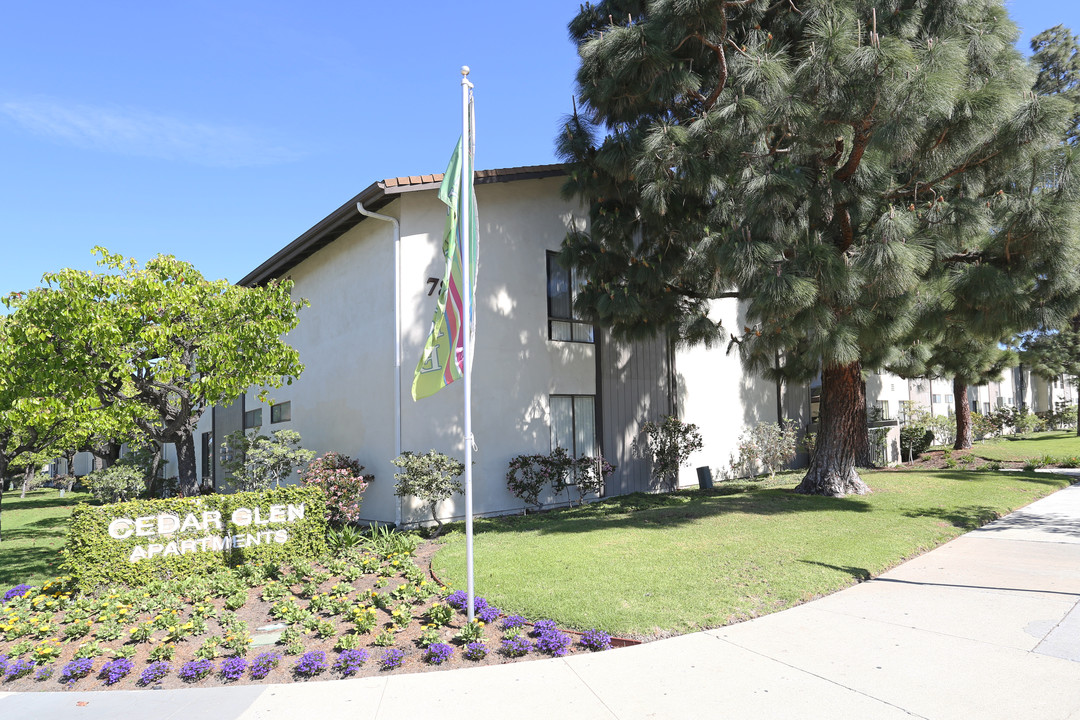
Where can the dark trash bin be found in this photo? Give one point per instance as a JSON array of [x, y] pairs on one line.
[[704, 478]]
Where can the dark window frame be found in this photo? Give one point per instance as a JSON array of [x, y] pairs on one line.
[[279, 409], [255, 413], [573, 451], [580, 331]]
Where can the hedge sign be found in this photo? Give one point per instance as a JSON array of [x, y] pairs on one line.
[[135, 541]]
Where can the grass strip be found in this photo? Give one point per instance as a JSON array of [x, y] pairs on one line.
[[649, 565], [34, 529], [1024, 447]]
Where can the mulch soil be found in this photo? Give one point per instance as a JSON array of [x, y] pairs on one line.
[[256, 612]]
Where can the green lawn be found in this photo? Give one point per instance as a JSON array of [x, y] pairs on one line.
[[1026, 447], [34, 529], [651, 564]]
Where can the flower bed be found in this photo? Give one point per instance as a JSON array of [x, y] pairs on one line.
[[364, 612]]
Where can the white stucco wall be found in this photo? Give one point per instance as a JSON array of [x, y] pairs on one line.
[[344, 400], [720, 398], [516, 368]]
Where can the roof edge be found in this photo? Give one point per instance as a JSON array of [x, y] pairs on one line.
[[373, 197]]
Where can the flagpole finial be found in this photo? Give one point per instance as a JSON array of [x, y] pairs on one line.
[[464, 69]]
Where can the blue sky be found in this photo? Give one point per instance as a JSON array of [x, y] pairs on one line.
[[220, 131]]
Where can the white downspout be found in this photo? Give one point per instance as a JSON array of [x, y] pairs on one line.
[[397, 335]]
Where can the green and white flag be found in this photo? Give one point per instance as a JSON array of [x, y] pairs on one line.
[[443, 360]]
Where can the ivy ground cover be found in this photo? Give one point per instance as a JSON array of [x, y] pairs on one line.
[[651, 565], [362, 612]]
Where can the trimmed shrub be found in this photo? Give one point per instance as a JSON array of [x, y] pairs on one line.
[[196, 546]]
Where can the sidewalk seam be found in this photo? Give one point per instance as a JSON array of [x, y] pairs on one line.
[[599, 699], [820, 677]]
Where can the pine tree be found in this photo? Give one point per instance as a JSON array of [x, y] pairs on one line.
[[830, 162], [1054, 349]]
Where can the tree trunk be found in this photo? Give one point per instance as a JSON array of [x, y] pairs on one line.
[[105, 454], [862, 446], [28, 477], [3, 484], [186, 470], [963, 415], [841, 432]]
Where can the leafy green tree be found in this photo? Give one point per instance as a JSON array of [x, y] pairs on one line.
[[157, 345], [260, 462], [827, 161]]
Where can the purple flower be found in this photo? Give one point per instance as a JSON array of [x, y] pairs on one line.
[[513, 621], [349, 661], [479, 604], [17, 591], [233, 668], [391, 659], [75, 670], [116, 670], [310, 663], [516, 646], [18, 668], [553, 642], [44, 673], [595, 640], [457, 599], [475, 651], [543, 626], [488, 614], [153, 673], [437, 653], [263, 664], [195, 670]]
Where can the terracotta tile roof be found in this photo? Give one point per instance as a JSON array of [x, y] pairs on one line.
[[482, 176], [374, 197]]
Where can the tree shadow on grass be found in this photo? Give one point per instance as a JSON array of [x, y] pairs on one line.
[[858, 573], [43, 528], [646, 511], [12, 503], [966, 517], [1055, 480], [28, 564]]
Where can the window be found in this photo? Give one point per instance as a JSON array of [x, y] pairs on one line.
[[207, 454], [281, 412], [986, 408], [253, 418], [949, 399], [562, 289], [815, 404], [883, 407], [974, 406], [573, 424], [936, 399]]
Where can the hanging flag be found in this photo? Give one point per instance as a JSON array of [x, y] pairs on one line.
[[443, 359]]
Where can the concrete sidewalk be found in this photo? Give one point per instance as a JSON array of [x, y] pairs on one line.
[[987, 626]]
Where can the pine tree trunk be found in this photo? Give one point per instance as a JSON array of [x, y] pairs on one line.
[[863, 458], [963, 415], [841, 433], [187, 472]]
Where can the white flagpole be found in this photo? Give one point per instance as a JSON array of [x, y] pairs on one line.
[[465, 238]]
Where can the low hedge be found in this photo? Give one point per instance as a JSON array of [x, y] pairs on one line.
[[181, 536]]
